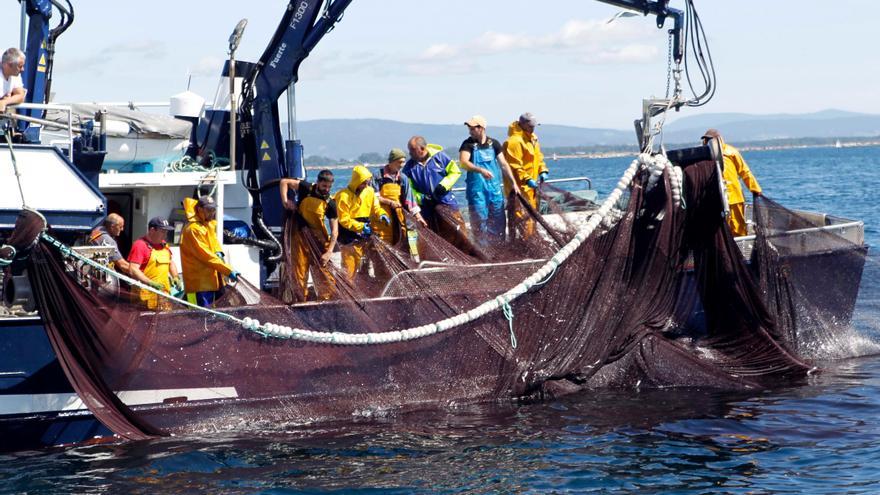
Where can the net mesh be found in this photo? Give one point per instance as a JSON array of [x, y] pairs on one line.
[[619, 312]]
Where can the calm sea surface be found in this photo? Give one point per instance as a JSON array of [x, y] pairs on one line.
[[820, 438]]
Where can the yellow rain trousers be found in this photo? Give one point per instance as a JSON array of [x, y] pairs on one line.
[[387, 232], [312, 211], [523, 154], [158, 269], [734, 168]]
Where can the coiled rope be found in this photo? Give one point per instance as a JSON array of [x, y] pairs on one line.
[[502, 301]]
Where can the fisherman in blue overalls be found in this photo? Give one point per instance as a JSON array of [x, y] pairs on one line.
[[483, 158]]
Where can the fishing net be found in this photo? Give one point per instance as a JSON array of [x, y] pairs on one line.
[[619, 311], [806, 265]]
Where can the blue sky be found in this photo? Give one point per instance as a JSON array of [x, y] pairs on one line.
[[440, 62]]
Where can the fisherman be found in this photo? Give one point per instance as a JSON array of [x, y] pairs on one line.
[[152, 263], [106, 235], [483, 158], [313, 208], [357, 204], [432, 175], [13, 88], [202, 259], [523, 154], [395, 196], [734, 168]]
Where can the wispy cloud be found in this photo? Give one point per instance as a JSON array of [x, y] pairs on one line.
[[584, 41], [134, 51], [209, 66]]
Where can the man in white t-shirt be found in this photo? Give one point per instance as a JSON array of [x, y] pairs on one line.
[[13, 89]]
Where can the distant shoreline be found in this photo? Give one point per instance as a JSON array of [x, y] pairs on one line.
[[755, 147], [620, 154]]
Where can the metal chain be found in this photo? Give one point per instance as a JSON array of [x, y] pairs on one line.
[[669, 63], [15, 165]]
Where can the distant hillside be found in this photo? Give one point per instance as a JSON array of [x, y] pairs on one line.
[[349, 138], [346, 139], [745, 127]]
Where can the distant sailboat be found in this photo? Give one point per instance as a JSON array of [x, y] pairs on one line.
[[554, 155], [837, 144]]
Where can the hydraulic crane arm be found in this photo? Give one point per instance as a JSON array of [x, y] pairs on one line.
[[661, 9], [40, 49], [301, 28]]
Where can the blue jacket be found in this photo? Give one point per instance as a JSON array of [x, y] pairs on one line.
[[438, 169]]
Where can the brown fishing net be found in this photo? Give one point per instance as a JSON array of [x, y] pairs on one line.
[[620, 311]]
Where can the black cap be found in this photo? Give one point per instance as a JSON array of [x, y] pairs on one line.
[[207, 202], [159, 223]]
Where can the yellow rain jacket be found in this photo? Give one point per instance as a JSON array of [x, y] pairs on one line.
[[202, 268], [523, 154], [734, 168], [354, 209]]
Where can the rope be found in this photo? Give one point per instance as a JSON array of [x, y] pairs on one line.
[[342, 338], [508, 313], [68, 252], [13, 252], [188, 164], [15, 166]]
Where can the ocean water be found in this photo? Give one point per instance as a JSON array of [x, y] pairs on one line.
[[822, 437]]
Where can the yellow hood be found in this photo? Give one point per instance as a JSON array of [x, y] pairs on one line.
[[433, 149], [359, 175], [189, 209], [514, 129]]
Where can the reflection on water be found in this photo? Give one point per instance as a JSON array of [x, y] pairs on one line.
[[822, 437]]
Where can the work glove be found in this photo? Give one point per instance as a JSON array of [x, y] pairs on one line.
[[542, 177], [157, 285], [439, 192], [384, 219], [234, 276], [367, 232], [531, 183], [176, 283]]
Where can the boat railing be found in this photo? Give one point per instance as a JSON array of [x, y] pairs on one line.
[[69, 127], [852, 231]]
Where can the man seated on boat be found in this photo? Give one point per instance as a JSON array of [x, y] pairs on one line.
[[13, 88], [483, 158], [356, 206], [313, 208], [152, 263], [432, 175], [734, 168], [105, 235], [523, 153], [201, 255]]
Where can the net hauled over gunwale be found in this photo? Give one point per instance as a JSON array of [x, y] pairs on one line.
[[617, 313]]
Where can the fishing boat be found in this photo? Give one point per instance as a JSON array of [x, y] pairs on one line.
[[645, 288]]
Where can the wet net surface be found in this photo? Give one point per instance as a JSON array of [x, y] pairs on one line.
[[618, 313]]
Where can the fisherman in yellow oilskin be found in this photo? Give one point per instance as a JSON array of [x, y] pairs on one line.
[[201, 255], [395, 196], [314, 207], [734, 168], [357, 204], [152, 263], [523, 153]]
